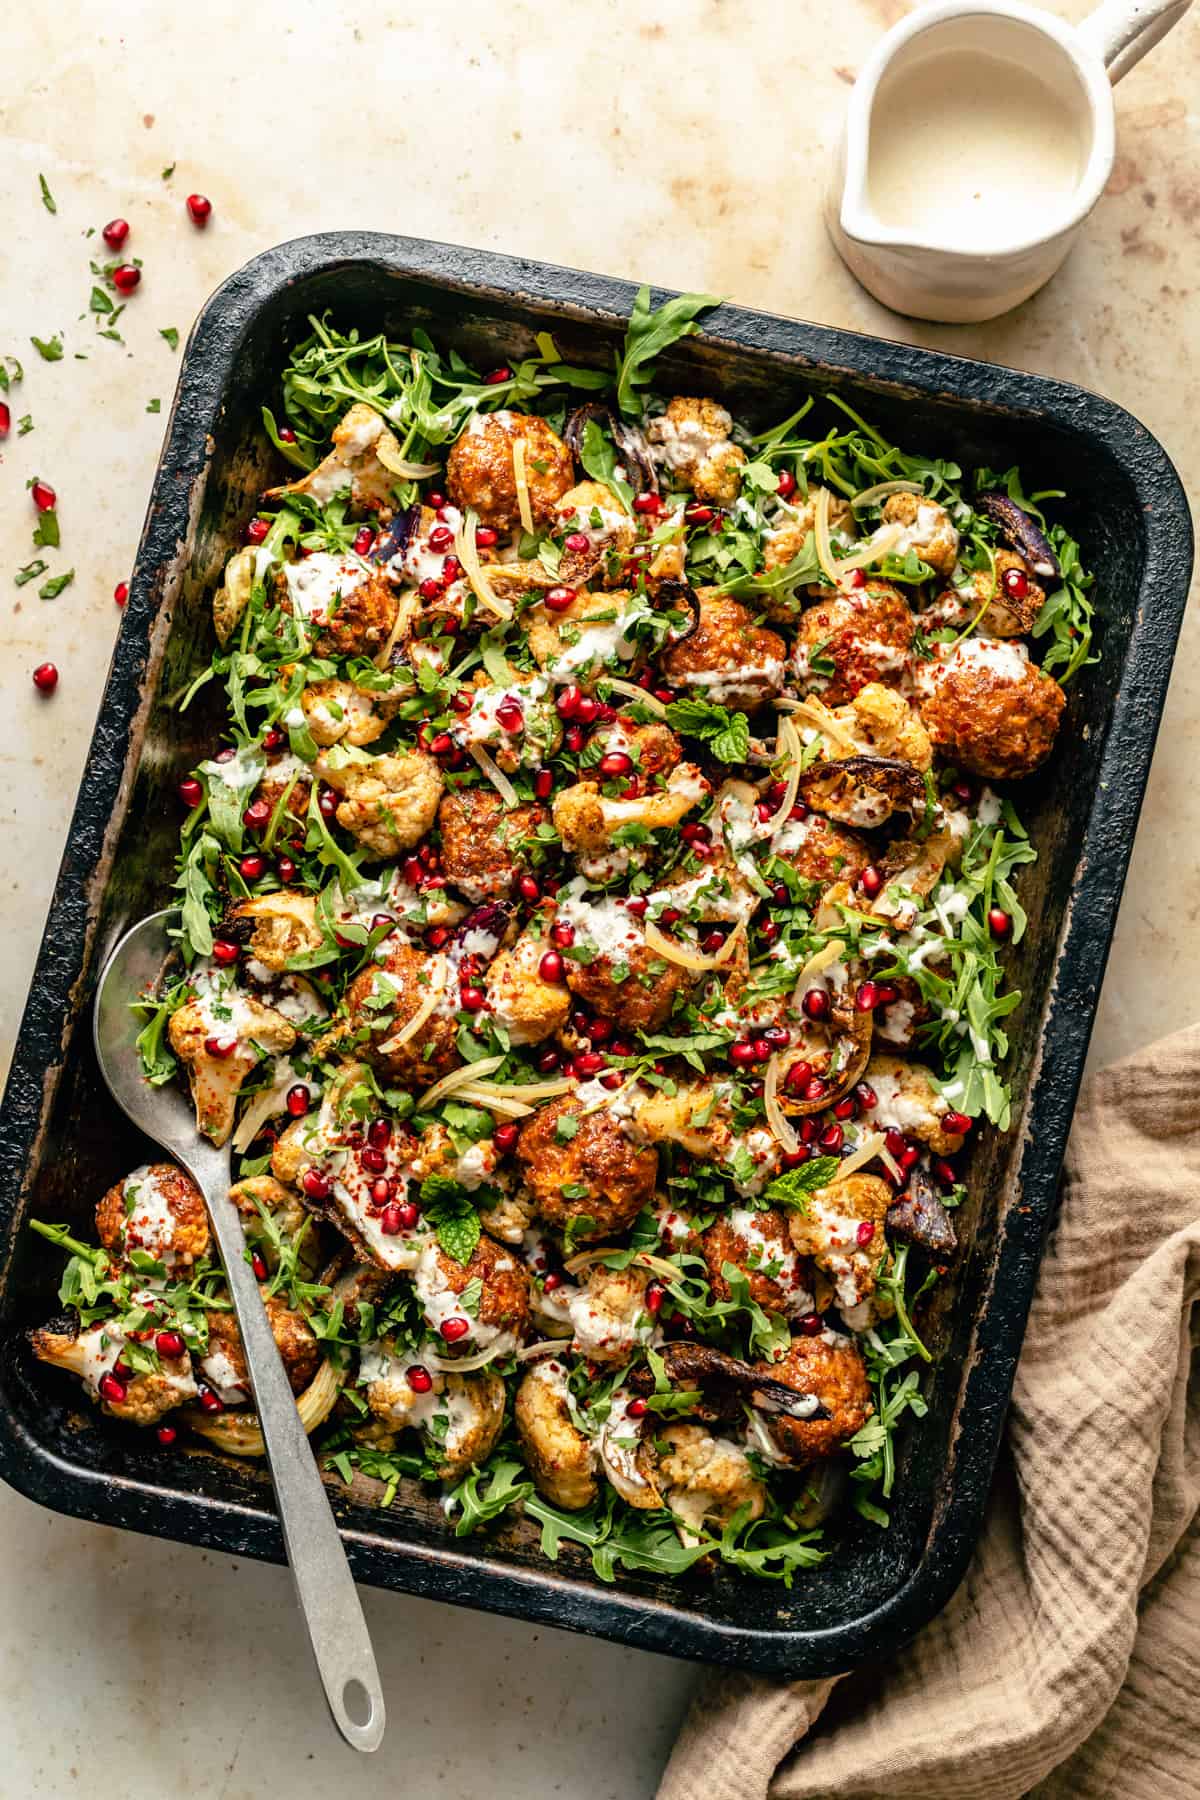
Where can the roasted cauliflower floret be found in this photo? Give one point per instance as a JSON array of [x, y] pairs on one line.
[[586, 818], [220, 1051], [592, 511], [498, 1319], [597, 1181], [728, 658], [281, 926], [907, 1098], [257, 1194], [788, 538], [485, 847], [97, 1357], [388, 802], [691, 438], [223, 1365], [158, 1209], [480, 473], [758, 1244], [1012, 599], [354, 465], [864, 634], [609, 1314], [706, 1479], [352, 609], [510, 1217], [841, 1228], [338, 712], [989, 709], [833, 1369], [524, 1005], [560, 1458], [517, 724], [233, 596], [880, 722], [383, 999], [460, 1416], [474, 1406], [928, 529], [591, 637]]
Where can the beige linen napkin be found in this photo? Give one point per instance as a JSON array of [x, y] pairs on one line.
[[1068, 1663]]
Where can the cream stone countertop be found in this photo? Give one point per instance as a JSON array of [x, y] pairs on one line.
[[682, 142]]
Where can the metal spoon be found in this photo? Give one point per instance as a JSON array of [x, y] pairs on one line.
[[325, 1587]]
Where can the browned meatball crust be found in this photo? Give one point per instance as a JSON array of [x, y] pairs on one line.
[[157, 1209], [991, 712], [643, 1000], [728, 658], [481, 839], [837, 1374], [381, 1000], [818, 850], [866, 633], [504, 1301], [724, 1242], [480, 475], [298, 1347], [597, 1183], [363, 620]]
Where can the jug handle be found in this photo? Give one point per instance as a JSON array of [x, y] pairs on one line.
[[1121, 31]]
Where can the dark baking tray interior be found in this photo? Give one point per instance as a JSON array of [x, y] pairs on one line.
[[62, 1143]]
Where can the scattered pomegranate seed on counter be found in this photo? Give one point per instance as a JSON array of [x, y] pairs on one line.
[[5, 419], [45, 678], [115, 233], [121, 592], [199, 209], [125, 277], [43, 496]]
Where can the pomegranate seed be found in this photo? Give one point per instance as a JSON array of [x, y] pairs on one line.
[[543, 784], [547, 1062], [286, 435], [655, 1294], [419, 1379], [622, 1047], [867, 1097], [122, 1370], [893, 1142], [298, 1100], [811, 1325], [437, 936], [410, 1212], [257, 530], [867, 997], [389, 1220], [252, 868], [832, 1139], [551, 966], [273, 739], [125, 277], [166, 1435], [431, 588], [871, 881], [504, 1137], [670, 915], [381, 1191], [778, 1036], [113, 1390], [762, 1050], [121, 593], [315, 1185], [328, 802], [442, 744], [379, 1134], [451, 570], [964, 791], [579, 542], [647, 503], [170, 1344], [798, 1077], [210, 1402], [259, 1266], [562, 933], [785, 487], [909, 1155], [664, 696], [612, 1080], [792, 1159], [698, 515], [454, 1329], [497, 376], [779, 893], [510, 717], [711, 941], [808, 1131], [617, 762], [573, 739], [199, 207], [567, 701], [528, 889], [1015, 583], [285, 868], [768, 931], [222, 1046], [888, 992], [639, 906], [957, 1123], [816, 1003], [472, 999], [43, 496], [815, 1088], [115, 233], [373, 1159], [999, 922], [945, 1171], [846, 1109], [45, 679], [257, 816], [557, 599], [224, 952], [857, 578], [441, 538], [693, 832], [589, 1063], [741, 1053], [364, 537], [588, 710]]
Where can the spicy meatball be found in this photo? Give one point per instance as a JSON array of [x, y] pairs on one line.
[[157, 1209], [502, 1309], [480, 472], [820, 851], [833, 1369], [223, 1364], [990, 710], [865, 634], [636, 990], [728, 658], [596, 1181], [382, 999], [482, 841], [758, 1244]]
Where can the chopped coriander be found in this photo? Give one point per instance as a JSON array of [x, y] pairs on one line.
[[50, 590], [171, 335], [49, 349], [48, 200]]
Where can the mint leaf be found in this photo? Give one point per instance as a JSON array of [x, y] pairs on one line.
[[794, 1187], [153, 406], [648, 334], [727, 733]]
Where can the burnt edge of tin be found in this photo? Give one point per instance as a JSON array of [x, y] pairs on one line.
[[446, 1572]]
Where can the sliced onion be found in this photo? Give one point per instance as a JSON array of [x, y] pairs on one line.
[[457, 1078], [815, 713], [527, 1352], [631, 691], [239, 1434], [521, 482], [528, 1090], [870, 1147], [644, 1259], [823, 542], [776, 1118], [465, 1364], [495, 775], [439, 978], [882, 489], [692, 959], [397, 465], [468, 555], [873, 551], [789, 743]]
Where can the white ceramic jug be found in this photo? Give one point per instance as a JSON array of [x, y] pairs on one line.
[[905, 265]]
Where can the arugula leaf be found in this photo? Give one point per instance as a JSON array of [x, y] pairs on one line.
[[486, 1492], [599, 458], [49, 349], [648, 334], [794, 1187]]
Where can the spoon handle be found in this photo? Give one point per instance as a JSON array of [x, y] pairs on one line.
[[325, 1587]]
